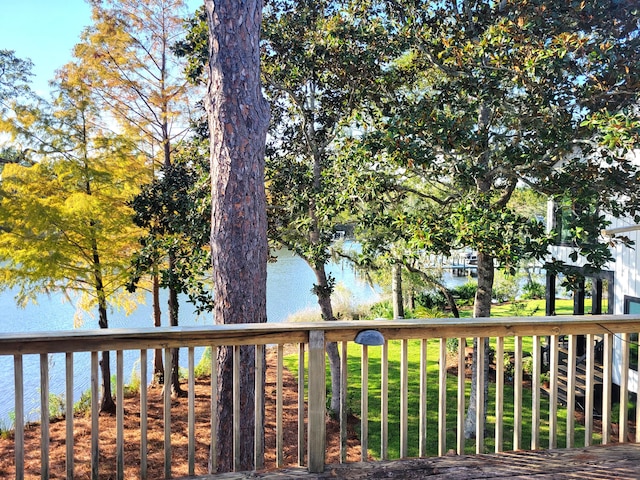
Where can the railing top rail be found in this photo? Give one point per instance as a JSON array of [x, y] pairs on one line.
[[280, 333]]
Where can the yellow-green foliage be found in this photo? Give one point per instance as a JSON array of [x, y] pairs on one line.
[[203, 368]]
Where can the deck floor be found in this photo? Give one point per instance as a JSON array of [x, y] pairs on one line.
[[615, 461]]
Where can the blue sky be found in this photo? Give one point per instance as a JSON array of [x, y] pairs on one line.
[[45, 31]]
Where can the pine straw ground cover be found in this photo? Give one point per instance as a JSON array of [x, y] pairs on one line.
[[179, 441]]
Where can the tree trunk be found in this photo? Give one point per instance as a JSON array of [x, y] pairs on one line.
[[323, 292], [107, 404], [451, 301], [445, 291], [173, 321], [238, 122], [396, 291], [175, 352], [481, 308], [158, 367]]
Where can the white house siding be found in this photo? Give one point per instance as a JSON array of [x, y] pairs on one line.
[[626, 283], [626, 268]]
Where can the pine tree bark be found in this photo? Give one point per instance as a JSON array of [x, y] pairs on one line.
[[238, 122]]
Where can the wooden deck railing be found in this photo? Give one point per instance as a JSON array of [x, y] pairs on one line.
[[310, 340]]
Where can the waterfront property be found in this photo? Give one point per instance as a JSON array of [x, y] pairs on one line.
[[536, 419]]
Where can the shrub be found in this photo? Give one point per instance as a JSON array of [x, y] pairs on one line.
[[517, 309], [133, 387], [431, 300], [527, 365], [7, 431], [83, 405], [382, 309], [452, 345], [533, 290], [505, 288], [304, 316], [203, 368], [56, 406], [465, 292]]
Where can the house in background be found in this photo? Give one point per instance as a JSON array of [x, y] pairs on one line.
[[613, 290]]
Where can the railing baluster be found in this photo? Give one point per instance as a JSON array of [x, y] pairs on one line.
[[44, 415], [167, 411], [442, 398], [422, 427], [144, 381], [571, 390], [213, 437], [404, 392], [589, 386], [18, 373], [279, 408], [517, 394], [408, 334], [317, 401], [69, 414], [553, 397], [119, 415], [236, 408], [535, 393], [384, 402], [480, 395], [364, 402], [623, 425], [461, 395], [343, 402], [259, 409], [95, 411], [499, 429], [191, 413], [606, 388], [301, 426]]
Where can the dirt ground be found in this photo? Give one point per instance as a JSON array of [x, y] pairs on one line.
[[179, 441]]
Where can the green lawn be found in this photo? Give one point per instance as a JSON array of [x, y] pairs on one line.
[[354, 383], [432, 403]]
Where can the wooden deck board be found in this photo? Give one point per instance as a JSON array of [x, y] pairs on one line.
[[617, 461]]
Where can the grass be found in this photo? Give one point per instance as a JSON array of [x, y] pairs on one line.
[[393, 420], [432, 404]]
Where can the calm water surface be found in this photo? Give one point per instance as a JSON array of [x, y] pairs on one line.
[[289, 286]]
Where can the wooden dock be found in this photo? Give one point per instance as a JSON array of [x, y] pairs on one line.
[[613, 461]]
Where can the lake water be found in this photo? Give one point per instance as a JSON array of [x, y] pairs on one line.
[[289, 285]]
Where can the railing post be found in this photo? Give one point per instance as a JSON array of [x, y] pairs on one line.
[[317, 401]]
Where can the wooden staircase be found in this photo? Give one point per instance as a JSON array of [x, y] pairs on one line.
[[580, 379]]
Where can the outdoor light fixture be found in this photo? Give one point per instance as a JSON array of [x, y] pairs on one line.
[[369, 338]]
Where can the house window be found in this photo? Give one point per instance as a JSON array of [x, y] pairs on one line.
[[632, 306], [575, 223]]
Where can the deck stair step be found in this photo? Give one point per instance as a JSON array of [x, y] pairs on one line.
[[580, 376]]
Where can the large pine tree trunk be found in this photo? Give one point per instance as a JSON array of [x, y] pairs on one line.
[[238, 121]]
